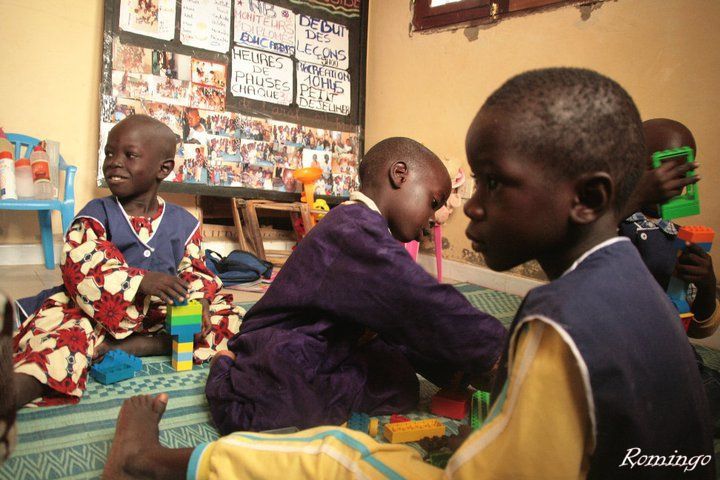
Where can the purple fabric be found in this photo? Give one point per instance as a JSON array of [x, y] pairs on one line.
[[302, 356]]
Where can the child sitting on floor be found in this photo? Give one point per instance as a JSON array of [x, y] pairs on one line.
[[655, 240], [351, 318], [597, 380], [125, 257], [8, 429]]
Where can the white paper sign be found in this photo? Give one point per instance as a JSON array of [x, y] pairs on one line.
[[261, 76], [320, 41], [152, 18], [206, 24], [323, 88], [267, 27]]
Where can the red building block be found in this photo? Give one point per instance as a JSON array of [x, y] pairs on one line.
[[696, 234], [395, 418], [450, 404]]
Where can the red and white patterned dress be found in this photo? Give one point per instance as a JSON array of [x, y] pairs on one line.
[[101, 297]]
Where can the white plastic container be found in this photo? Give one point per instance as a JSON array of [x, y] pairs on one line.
[[53, 150], [7, 176], [23, 178], [40, 165]]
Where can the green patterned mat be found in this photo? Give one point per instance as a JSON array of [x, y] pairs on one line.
[[72, 441]]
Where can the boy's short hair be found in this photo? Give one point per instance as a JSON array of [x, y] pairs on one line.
[[374, 164], [576, 121]]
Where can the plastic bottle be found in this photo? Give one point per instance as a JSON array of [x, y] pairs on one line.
[[23, 178], [7, 176], [53, 150], [5, 144], [40, 165]]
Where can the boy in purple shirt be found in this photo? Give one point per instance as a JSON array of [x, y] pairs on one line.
[[351, 318]]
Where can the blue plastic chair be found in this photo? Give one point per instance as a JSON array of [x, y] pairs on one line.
[[66, 206]]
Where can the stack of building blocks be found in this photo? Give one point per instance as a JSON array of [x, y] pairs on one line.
[[677, 289], [479, 409], [183, 322], [688, 202], [116, 366], [450, 404], [413, 431]]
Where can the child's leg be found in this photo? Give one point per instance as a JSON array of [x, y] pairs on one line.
[[225, 319], [136, 451], [8, 431], [137, 344], [51, 352]]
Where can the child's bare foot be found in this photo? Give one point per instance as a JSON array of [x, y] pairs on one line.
[[138, 345], [136, 437], [222, 353], [136, 451]]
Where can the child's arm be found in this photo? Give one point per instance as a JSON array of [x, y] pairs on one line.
[[695, 266]]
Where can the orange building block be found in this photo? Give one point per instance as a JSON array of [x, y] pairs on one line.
[[413, 431], [696, 234]]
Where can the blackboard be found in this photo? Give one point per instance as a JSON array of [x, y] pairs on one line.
[[253, 89]]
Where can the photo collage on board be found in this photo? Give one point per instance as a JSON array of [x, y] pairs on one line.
[[217, 147]]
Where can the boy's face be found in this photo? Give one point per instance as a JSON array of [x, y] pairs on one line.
[[516, 213], [417, 200], [133, 161]]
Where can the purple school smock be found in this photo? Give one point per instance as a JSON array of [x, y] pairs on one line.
[[304, 356]]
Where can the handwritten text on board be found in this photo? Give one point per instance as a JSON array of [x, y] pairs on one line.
[[265, 26], [261, 76], [323, 88], [206, 24], [322, 42]]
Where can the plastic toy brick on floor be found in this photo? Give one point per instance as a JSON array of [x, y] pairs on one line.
[[413, 431], [447, 403], [396, 418], [116, 366], [479, 409], [183, 322]]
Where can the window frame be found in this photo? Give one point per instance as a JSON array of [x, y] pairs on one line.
[[473, 12]]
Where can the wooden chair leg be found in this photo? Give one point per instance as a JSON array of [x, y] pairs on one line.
[[238, 223], [254, 227], [307, 219]]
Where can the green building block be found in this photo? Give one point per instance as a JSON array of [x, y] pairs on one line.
[[479, 408], [190, 314], [687, 203]]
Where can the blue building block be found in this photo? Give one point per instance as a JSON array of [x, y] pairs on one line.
[[185, 333], [182, 356], [116, 366], [359, 422]]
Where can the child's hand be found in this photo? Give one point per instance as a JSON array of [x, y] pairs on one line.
[[695, 266], [168, 288], [658, 185]]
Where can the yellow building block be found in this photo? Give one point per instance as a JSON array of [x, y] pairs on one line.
[[373, 429], [403, 432], [182, 347], [182, 365]]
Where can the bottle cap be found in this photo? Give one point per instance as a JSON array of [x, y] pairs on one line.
[[6, 154], [22, 162], [38, 148]]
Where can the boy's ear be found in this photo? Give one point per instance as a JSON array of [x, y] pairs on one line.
[[593, 194], [166, 167], [398, 174]]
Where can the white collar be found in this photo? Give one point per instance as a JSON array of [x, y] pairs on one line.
[[358, 196], [594, 249]]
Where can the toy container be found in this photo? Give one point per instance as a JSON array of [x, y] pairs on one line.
[[53, 150], [7, 176], [23, 178], [40, 165]]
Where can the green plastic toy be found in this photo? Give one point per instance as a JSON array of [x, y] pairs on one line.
[[685, 204], [479, 408]]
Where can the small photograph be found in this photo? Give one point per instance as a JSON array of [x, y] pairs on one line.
[[287, 156], [225, 149], [194, 168], [220, 123], [170, 115], [345, 163], [207, 98], [130, 58], [146, 12], [130, 85], [169, 90], [313, 158], [341, 185], [257, 176], [254, 128], [256, 153], [286, 133], [287, 182], [208, 74], [171, 65], [124, 107], [194, 130]]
